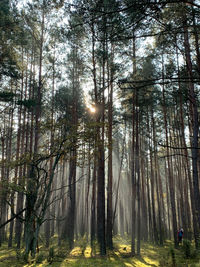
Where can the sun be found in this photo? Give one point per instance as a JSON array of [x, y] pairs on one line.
[[92, 109]]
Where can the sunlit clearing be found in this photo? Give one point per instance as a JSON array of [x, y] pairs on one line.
[[87, 252], [128, 264], [150, 261], [76, 251]]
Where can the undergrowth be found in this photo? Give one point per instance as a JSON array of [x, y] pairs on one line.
[[83, 256]]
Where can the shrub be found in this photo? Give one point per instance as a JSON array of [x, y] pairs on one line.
[[187, 248], [61, 253], [25, 257], [83, 244], [39, 258], [18, 254], [172, 253], [164, 262], [51, 255], [22, 256]]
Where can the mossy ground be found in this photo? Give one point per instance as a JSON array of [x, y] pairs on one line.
[[81, 256]]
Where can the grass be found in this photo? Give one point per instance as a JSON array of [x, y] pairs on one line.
[[81, 256]]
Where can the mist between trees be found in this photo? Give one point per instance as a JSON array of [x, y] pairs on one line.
[[99, 169]]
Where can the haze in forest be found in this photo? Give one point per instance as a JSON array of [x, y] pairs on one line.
[[99, 123]]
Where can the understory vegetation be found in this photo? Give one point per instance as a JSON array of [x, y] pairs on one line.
[[82, 255]]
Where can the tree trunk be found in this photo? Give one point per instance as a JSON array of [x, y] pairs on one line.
[[137, 168], [31, 230], [110, 148], [195, 127], [170, 173]]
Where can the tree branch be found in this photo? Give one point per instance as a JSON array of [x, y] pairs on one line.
[[12, 218]]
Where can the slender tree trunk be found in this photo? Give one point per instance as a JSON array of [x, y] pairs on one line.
[[20, 195], [133, 183], [93, 203], [155, 231], [88, 191], [195, 127], [49, 231], [170, 173], [148, 187], [196, 37], [31, 230], [101, 180], [9, 156], [2, 199], [93, 206], [137, 167], [157, 183], [110, 172], [133, 161], [101, 155], [119, 176]]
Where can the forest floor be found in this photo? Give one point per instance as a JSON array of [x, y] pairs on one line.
[[80, 256]]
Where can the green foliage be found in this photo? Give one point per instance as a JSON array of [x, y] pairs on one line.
[[151, 255], [18, 254], [187, 248], [173, 257], [22, 256], [164, 261], [195, 264], [29, 103], [83, 244], [189, 251], [51, 255], [8, 55], [25, 257], [40, 258], [64, 102], [61, 253], [195, 254], [7, 187], [7, 96]]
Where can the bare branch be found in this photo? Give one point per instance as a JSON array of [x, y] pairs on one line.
[[12, 218]]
